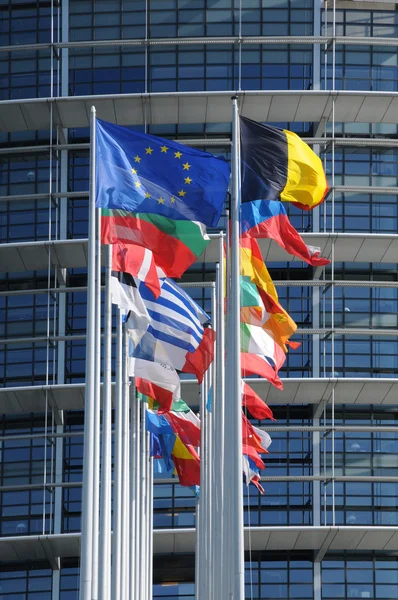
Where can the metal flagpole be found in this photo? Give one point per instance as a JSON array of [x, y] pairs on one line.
[[86, 559], [138, 499], [215, 457], [234, 450], [226, 440], [117, 502], [125, 467], [133, 489], [219, 409], [97, 407], [150, 525], [106, 462], [143, 506], [209, 470], [200, 513]]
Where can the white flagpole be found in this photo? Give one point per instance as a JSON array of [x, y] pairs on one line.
[[97, 407], [219, 411], [143, 507], [117, 502], [150, 523], [209, 472], [125, 473], [133, 489], [138, 499], [106, 462], [234, 449], [200, 565], [214, 483], [86, 558]]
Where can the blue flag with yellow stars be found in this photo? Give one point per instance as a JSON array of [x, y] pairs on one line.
[[143, 173]]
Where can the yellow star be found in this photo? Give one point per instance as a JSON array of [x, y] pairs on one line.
[[186, 166], [147, 195], [177, 154], [161, 200], [134, 171], [163, 148], [148, 150], [187, 180], [137, 159], [172, 199], [138, 184], [182, 193]]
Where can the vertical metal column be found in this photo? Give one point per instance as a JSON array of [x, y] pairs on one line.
[[218, 415], [117, 495], [106, 462], [150, 524], [233, 450], [138, 499], [143, 507], [97, 408], [125, 469], [133, 490], [88, 458]]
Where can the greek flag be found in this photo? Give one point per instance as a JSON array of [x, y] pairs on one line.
[[175, 328]]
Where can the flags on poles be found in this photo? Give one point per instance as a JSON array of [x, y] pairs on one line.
[[278, 165], [142, 173]]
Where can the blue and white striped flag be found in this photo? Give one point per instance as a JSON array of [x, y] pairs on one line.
[[175, 328]]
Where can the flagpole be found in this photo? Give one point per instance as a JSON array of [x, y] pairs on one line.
[[226, 441], [86, 558], [133, 489], [106, 462], [206, 420], [143, 507], [200, 566], [117, 503], [138, 499], [219, 411], [125, 472], [97, 407], [234, 455], [215, 481], [150, 524]]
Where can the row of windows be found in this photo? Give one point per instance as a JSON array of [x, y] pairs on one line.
[[284, 503], [349, 355], [280, 577]]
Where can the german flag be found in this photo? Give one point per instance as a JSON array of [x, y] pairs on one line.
[[278, 165]]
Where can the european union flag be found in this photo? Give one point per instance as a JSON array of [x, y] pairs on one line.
[[143, 173]]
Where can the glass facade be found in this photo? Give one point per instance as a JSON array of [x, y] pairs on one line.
[[333, 460]]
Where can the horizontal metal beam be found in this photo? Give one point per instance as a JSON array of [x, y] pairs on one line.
[[183, 41], [209, 284], [325, 141], [383, 190], [300, 331], [170, 481]]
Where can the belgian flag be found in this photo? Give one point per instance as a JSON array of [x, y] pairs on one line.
[[278, 165]]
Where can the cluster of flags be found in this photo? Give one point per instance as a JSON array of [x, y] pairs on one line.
[[157, 197]]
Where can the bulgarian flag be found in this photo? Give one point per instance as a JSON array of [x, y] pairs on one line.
[[256, 405], [175, 244]]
